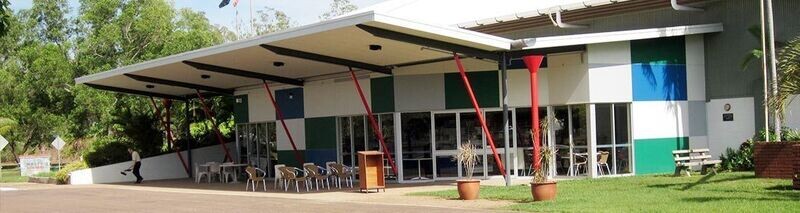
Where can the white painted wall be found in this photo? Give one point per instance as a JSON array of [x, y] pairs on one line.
[[610, 72], [568, 79], [519, 88], [724, 134], [695, 68], [298, 129], [162, 167], [792, 117], [259, 106], [334, 97], [659, 119]]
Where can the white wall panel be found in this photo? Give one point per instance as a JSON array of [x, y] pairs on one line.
[[724, 134], [419, 92], [659, 119], [568, 79], [298, 129], [792, 116], [334, 97], [519, 88], [610, 72], [259, 106], [695, 68]]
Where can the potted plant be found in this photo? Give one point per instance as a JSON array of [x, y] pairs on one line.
[[467, 156], [542, 187]]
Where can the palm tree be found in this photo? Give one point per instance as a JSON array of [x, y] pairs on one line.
[[789, 81]]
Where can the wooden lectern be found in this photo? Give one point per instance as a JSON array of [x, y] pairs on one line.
[[371, 171]]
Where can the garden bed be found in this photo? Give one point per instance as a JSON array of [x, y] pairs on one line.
[[776, 159]]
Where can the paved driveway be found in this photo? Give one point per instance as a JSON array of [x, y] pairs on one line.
[[130, 199]]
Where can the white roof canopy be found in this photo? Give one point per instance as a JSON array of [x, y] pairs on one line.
[[319, 49]]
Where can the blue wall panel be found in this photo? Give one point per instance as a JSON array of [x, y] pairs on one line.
[[659, 82], [291, 102]]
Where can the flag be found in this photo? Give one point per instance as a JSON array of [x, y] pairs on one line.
[[224, 3]]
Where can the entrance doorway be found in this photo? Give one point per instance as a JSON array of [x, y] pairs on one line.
[[257, 145], [451, 129]]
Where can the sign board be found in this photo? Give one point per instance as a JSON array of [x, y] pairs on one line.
[[3, 142], [34, 164], [727, 116], [58, 143]]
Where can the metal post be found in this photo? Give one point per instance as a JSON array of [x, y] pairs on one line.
[[504, 83], [773, 66], [533, 63], [375, 127], [475, 105], [279, 113], [220, 139], [764, 68], [187, 123]]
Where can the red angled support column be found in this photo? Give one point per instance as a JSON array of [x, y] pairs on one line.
[[480, 115], [167, 128], [297, 154], [220, 139], [375, 127], [533, 62]]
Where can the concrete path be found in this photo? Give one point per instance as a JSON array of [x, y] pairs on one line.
[[186, 196]]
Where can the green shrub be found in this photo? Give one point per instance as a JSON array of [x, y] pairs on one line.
[[106, 151], [738, 160], [45, 174], [787, 134], [62, 176]]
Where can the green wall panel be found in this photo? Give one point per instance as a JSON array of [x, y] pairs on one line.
[[240, 111], [485, 84], [382, 90], [287, 157], [321, 133], [670, 50], [655, 155]]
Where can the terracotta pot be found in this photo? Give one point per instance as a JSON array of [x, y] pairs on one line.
[[544, 191], [468, 189]]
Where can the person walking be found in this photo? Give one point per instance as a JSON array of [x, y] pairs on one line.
[[137, 164]]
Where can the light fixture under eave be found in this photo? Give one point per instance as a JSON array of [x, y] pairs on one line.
[[150, 86], [375, 47], [205, 76], [278, 64]]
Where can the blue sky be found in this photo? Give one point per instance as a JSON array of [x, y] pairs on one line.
[[300, 11]]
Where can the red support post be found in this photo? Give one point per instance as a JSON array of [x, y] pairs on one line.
[[220, 139], [279, 113], [375, 127], [479, 114], [167, 128], [533, 62]]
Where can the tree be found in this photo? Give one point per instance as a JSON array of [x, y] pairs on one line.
[[338, 8], [271, 20], [5, 15], [789, 81]]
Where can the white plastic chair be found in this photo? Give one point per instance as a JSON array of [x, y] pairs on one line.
[[199, 174], [278, 174], [228, 172], [214, 170]]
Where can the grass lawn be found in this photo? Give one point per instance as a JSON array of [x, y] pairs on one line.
[[725, 192], [12, 176]]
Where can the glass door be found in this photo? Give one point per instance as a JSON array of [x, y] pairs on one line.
[[257, 145], [445, 130], [471, 132], [416, 152]]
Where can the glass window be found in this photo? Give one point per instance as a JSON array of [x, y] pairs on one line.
[[416, 144], [621, 123], [578, 125], [345, 138], [446, 135], [603, 124]]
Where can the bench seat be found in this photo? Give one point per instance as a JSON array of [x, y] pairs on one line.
[[685, 159]]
